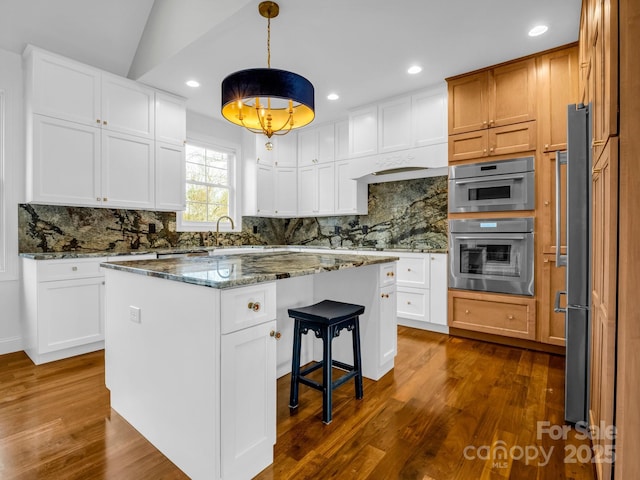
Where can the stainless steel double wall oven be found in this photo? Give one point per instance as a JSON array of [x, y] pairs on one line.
[[492, 254]]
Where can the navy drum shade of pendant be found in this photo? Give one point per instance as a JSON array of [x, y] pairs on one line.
[[267, 100]]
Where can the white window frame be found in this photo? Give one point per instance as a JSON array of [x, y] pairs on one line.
[[235, 207]]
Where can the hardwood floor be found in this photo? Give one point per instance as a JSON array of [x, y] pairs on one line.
[[443, 413]]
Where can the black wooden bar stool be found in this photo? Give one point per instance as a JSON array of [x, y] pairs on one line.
[[326, 319]]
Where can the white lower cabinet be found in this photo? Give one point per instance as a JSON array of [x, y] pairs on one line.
[[248, 401], [422, 291], [63, 305], [388, 327]]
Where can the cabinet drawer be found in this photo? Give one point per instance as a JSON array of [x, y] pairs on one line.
[[413, 272], [387, 274], [247, 306], [520, 137], [413, 303], [69, 269], [500, 314]]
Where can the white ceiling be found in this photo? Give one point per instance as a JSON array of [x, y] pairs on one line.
[[357, 48]]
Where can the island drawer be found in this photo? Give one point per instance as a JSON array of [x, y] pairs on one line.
[[245, 307], [49, 270], [413, 271], [413, 303], [387, 274]]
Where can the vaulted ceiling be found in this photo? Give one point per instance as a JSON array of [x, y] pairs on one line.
[[359, 49]]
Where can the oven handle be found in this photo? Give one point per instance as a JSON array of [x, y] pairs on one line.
[[561, 260], [493, 236], [556, 305], [490, 178]]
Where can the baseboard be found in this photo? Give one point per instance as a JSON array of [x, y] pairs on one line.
[[432, 327], [11, 345]]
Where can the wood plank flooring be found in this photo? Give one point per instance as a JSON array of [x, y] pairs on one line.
[[443, 413]]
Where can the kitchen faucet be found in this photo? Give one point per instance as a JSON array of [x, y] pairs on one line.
[[218, 226]]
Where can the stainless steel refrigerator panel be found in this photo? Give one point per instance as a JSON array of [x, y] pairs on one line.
[[576, 365]]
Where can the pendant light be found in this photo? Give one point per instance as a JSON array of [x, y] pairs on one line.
[[267, 100]]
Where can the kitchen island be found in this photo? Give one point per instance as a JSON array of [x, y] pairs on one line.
[[190, 346]]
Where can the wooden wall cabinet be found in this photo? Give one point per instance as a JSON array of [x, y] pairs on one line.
[[509, 139], [495, 97], [551, 325]]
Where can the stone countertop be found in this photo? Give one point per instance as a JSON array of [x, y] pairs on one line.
[[166, 251], [225, 271]]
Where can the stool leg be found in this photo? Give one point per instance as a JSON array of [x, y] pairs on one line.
[[327, 389], [295, 365], [357, 360]]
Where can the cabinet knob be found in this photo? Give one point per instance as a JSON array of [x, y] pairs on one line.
[[104, 199], [104, 122], [98, 199], [547, 203], [255, 306], [275, 334], [490, 122], [484, 122], [433, 258], [97, 120], [491, 149], [546, 146], [408, 269], [510, 317], [408, 302], [484, 150], [466, 312], [75, 269]]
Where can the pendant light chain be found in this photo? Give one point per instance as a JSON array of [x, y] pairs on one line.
[[269, 40]]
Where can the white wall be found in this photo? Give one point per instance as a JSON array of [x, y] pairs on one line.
[[11, 84]]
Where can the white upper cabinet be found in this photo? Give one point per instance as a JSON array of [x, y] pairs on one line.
[[264, 156], [285, 150], [316, 190], [316, 145], [265, 190], [171, 124], [127, 106], [429, 117], [394, 125], [341, 130], [286, 182], [350, 195], [91, 137], [363, 131], [401, 123], [61, 88]]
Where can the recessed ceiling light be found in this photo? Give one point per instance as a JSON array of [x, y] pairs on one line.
[[193, 84], [538, 30], [414, 69], [333, 96]]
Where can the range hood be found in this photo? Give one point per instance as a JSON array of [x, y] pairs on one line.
[[419, 162]]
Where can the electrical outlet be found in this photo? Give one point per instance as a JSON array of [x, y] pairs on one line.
[[255, 229], [365, 229], [337, 229], [134, 314], [152, 228]]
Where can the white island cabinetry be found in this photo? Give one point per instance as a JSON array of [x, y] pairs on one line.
[[210, 358]]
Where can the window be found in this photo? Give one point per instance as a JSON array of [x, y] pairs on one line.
[[210, 187]]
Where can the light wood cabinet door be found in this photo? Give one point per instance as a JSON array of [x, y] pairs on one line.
[[551, 325], [546, 192], [512, 93], [468, 103], [516, 138], [605, 74], [604, 285], [507, 315], [584, 47], [466, 146], [557, 87]]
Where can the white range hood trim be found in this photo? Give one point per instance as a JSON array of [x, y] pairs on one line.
[[429, 161]]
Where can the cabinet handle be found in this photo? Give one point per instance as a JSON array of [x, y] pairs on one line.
[[255, 306], [584, 64], [384, 295], [74, 269], [275, 334], [595, 171], [597, 143]]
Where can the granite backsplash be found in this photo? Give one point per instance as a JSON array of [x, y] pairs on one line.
[[404, 214]]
